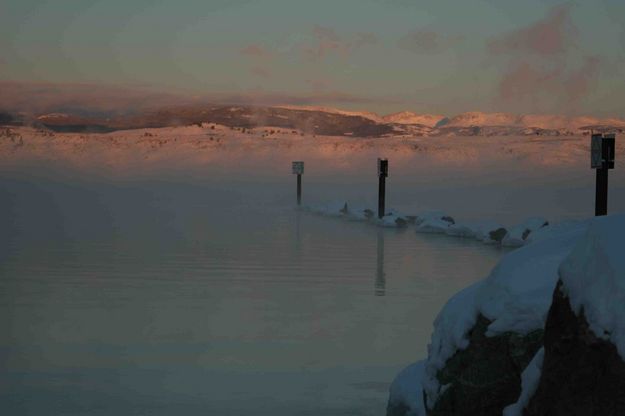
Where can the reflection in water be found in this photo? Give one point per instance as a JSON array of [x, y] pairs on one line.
[[380, 279]]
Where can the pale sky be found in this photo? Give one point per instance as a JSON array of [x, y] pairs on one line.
[[437, 56]]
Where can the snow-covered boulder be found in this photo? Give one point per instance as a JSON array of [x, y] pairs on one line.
[[433, 222], [583, 370], [393, 220], [517, 235], [461, 230], [508, 307], [489, 232], [331, 209], [543, 334], [406, 394], [433, 226], [433, 215]]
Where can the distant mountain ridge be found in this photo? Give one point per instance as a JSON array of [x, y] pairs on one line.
[[328, 121]]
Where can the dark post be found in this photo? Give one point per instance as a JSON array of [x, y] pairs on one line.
[[382, 174], [602, 149], [299, 189], [298, 169], [601, 192]]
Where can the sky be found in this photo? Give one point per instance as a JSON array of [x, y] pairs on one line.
[[427, 56]]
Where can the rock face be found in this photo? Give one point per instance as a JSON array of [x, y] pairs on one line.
[[485, 377], [397, 409], [582, 374]]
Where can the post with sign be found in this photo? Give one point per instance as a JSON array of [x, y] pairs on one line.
[[382, 175], [298, 169], [602, 148]]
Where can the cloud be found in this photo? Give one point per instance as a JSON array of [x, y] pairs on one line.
[[84, 99], [326, 41], [554, 34], [542, 67], [428, 42], [114, 100]]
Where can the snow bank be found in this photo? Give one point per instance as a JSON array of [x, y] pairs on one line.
[[594, 279], [406, 389], [516, 296]]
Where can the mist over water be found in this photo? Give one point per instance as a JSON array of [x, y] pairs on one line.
[[209, 293]]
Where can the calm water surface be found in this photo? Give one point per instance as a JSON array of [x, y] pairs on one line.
[[161, 298]]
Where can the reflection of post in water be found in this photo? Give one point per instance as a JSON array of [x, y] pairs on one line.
[[298, 238], [380, 279]]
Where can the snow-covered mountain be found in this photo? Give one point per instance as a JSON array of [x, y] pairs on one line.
[[408, 117], [333, 122], [480, 119]]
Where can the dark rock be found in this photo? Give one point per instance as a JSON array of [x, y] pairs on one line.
[[498, 234], [485, 377], [397, 409], [581, 374], [401, 222], [448, 219]]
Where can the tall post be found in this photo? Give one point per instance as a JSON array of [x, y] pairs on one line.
[[602, 149], [382, 174], [297, 168], [601, 192], [299, 189]]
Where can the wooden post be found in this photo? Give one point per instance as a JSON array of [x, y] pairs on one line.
[[601, 192], [299, 189], [297, 168], [382, 174], [602, 148]]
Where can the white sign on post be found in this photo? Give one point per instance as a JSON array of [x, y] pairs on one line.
[[298, 168], [596, 157]]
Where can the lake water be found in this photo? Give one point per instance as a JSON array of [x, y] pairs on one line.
[[203, 298]]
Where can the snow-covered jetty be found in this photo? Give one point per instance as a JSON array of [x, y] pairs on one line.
[[437, 222]]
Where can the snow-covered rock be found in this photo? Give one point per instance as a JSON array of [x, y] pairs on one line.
[[514, 297], [461, 230], [432, 225], [574, 273], [331, 209], [489, 232], [594, 279], [583, 371], [433, 222], [405, 394], [517, 235], [393, 220], [529, 383]]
